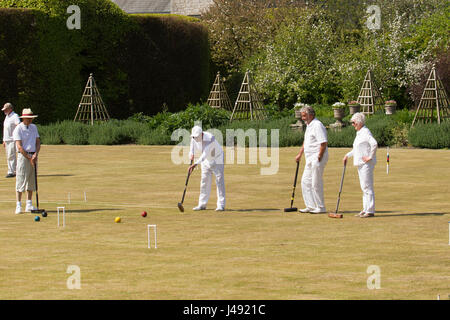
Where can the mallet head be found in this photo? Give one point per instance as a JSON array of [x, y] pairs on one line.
[[335, 215], [180, 207], [290, 209]]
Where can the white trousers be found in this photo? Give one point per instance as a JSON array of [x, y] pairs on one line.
[[312, 183], [365, 173], [205, 184], [10, 147]]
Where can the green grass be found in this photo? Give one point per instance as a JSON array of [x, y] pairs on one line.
[[251, 251]]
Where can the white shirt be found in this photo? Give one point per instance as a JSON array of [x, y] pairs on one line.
[[10, 123], [27, 135], [211, 150], [364, 145], [315, 135]]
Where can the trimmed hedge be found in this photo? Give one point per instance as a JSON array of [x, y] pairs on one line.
[[140, 63], [431, 136]]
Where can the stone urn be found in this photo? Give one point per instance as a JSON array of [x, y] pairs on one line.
[[390, 107], [339, 114], [354, 108], [299, 125]]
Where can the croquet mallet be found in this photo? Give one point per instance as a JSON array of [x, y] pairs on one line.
[[180, 204], [293, 209], [336, 214], [37, 196]]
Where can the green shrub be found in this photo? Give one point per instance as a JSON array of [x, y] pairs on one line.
[[341, 138], [431, 136], [45, 66], [74, 133]]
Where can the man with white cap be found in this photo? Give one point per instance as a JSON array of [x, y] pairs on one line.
[[28, 145], [10, 123], [212, 161], [315, 148]]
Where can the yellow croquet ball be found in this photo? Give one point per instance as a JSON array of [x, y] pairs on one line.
[[117, 219]]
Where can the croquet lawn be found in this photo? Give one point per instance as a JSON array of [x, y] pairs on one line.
[[253, 250]]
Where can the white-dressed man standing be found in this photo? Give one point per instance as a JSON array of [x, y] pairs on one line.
[[28, 145], [212, 162], [9, 124], [315, 148]]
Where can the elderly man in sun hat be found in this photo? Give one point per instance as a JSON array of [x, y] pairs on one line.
[[28, 145], [212, 161], [10, 123]]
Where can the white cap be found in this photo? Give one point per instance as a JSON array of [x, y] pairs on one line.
[[196, 131]]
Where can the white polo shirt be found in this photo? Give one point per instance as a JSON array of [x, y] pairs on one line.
[[364, 145], [27, 135], [10, 123], [211, 150], [315, 135]]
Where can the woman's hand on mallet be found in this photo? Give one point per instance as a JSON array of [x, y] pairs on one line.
[[191, 167]]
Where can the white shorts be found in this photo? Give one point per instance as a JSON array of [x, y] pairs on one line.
[[25, 179]]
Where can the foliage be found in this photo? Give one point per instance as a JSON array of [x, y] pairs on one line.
[[140, 63], [432, 136], [319, 51]]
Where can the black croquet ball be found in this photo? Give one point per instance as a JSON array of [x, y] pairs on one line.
[[44, 214]]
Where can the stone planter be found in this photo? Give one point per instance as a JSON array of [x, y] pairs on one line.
[[339, 114], [299, 125], [354, 108], [390, 109]]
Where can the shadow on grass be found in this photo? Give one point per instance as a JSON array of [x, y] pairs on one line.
[[412, 214], [82, 210], [55, 175], [251, 210], [378, 215]]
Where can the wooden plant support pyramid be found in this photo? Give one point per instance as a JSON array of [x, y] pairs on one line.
[[248, 104], [434, 103], [370, 97], [91, 107], [218, 97]]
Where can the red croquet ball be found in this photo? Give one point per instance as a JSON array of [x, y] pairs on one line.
[[144, 214]]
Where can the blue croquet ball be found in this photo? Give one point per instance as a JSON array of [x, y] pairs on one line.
[[44, 214], [37, 218]]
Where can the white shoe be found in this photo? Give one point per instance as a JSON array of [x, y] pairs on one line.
[[198, 208], [30, 208], [320, 210], [220, 209], [18, 209], [306, 210]]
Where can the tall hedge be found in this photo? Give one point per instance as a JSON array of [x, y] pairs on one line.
[[139, 63]]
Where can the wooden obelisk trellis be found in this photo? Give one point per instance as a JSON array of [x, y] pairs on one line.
[[248, 104], [91, 107], [370, 97], [434, 103], [218, 97]]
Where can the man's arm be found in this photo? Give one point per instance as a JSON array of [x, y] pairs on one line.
[[300, 153], [323, 147], [38, 148]]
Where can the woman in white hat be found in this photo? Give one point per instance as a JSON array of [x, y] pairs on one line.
[[364, 157], [211, 161], [28, 145]]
